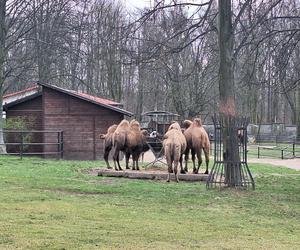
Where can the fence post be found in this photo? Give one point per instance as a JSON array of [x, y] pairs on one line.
[[294, 150], [258, 152], [58, 145], [61, 144], [22, 145], [281, 154]]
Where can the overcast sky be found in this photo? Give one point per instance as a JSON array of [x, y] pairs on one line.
[[132, 4]]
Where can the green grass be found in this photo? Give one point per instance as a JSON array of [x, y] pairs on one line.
[[55, 205]]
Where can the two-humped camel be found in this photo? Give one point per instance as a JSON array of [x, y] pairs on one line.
[[174, 146], [129, 138], [197, 139], [108, 142]]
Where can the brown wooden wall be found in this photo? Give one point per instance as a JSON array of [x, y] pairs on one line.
[[81, 121], [32, 111]]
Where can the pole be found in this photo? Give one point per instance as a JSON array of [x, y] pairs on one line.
[[22, 145]]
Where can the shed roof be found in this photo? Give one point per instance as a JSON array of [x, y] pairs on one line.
[[33, 92]]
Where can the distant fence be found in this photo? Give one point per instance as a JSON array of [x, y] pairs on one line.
[[270, 150], [276, 138], [32, 142], [283, 152]]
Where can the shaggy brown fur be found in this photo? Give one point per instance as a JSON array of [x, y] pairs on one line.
[[135, 142], [129, 139], [119, 141], [197, 139], [145, 145], [174, 146], [108, 142]]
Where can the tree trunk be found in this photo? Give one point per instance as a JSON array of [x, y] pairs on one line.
[[2, 61], [227, 96], [298, 112]]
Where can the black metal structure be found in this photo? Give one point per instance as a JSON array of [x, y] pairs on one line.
[[158, 121], [156, 147], [217, 176]]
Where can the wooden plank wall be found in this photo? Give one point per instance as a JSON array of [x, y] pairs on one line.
[[81, 121]]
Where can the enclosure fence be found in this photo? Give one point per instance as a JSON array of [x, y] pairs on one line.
[[34, 142], [284, 151]]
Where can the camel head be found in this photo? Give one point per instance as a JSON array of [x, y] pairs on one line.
[[144, 132]]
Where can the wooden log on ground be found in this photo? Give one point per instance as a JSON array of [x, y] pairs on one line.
[[151, 175]]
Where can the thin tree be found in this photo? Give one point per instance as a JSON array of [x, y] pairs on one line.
[[2, 62]]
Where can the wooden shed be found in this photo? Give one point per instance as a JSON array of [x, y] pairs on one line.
[[80, 116]]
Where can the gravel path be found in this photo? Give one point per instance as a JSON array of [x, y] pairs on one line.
[[291, 163]]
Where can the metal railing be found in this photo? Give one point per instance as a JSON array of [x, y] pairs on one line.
[[285, 152], [25, 142]]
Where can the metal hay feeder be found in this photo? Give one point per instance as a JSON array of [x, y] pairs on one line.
[[220, 174]]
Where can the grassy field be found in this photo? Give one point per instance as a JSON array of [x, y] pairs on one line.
[[55, 205]]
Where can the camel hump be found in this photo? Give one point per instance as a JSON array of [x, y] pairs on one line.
[[123, 124], [134, 124], [187, 123], [112, 129], [175, 125], [197, 122]]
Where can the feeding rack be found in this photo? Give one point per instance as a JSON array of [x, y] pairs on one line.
[[157, 122], [226, 172]]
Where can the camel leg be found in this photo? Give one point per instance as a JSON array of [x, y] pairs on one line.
[[133, 162], [135, 158], [199, 160], [186, 158], [127, 156], [143, 157], [193, 159], [175, 170], [206, 153], [182, 171], [137, 163], [169, 162], [106, 154], [118, 161], [116, 158]]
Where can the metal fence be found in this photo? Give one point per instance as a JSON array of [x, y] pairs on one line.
[[32, 142], [279, 151], [276, 138]]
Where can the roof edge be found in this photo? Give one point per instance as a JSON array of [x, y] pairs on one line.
[[21, 100], [123, 111]]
